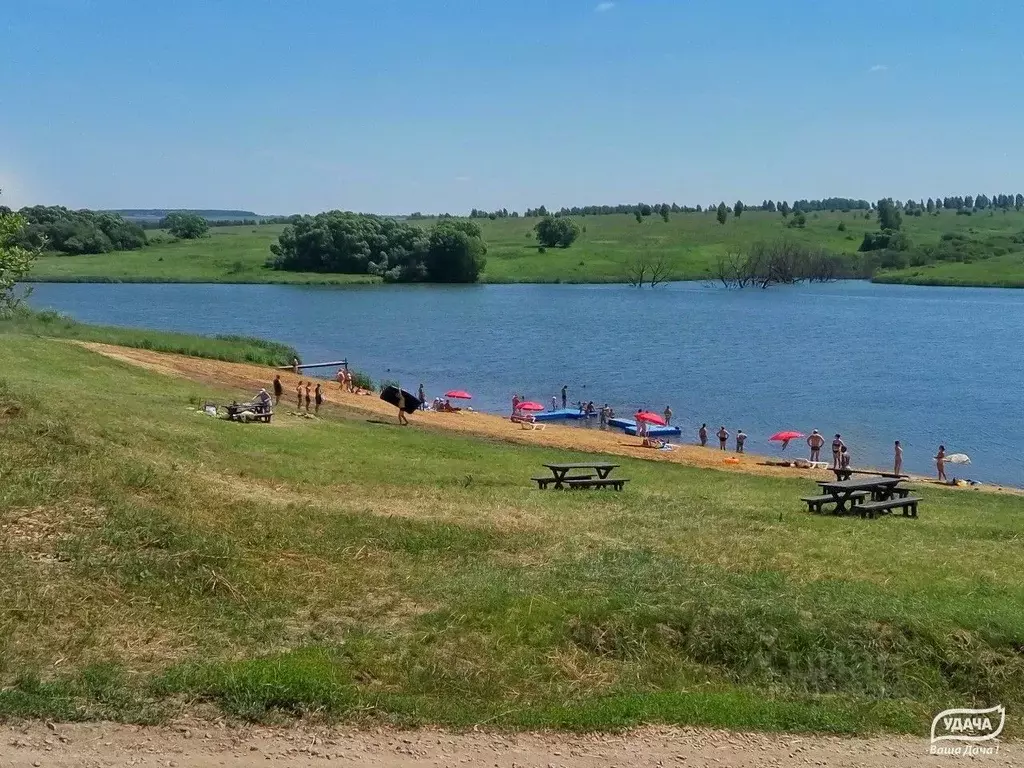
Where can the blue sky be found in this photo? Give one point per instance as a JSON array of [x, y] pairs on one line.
[[394, 106]]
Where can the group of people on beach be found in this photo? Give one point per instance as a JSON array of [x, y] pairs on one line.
[[304, 392]]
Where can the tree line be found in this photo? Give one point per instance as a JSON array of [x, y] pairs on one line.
[[451, 251], [56, 228]]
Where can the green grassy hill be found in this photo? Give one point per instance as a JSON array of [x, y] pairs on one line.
[[157, 560], [690, 244]]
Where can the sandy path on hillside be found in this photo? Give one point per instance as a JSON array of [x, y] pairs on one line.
[[249, 378], [205, 745]]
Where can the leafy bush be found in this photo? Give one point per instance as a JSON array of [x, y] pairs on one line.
[[452, 251], [557, 231], [56, 228]]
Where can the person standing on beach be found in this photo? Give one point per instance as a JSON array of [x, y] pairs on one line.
[[298, 395], [341, 379], [844, 458], [668, 416], [604, 416], [702, 433], [278, 389], [319, 398], [723, 437], [309, 386], [295, 365], [815, 442], [837, 448], [554, 403], [940, 463], [565, 395], [515, 404], [741, 438], [422, 396], [897, 468]]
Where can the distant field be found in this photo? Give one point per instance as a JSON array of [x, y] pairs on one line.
[[690, 243], [998, 272]]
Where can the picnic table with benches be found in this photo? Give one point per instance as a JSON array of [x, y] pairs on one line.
[[561, 479], [845, 473], [261, 412], [851, 496]]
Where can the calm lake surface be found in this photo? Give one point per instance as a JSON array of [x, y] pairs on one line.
[[875, 363]]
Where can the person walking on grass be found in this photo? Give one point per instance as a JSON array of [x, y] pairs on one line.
[[723, 437], [940, 463], [702, 433], [402, 420], [741, 438], [815, 443], [298, 395], [309, 386], [837, 449], [897, 468], [278, 389], [319, 398]]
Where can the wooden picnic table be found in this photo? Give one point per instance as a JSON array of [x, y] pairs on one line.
[[845, 492], [846, 473], [560, 471]]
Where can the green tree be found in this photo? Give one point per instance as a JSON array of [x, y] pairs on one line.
[[931, 205], [665, 212], [738, 208], [722, 213], [889, 216], [187, 226], [557, 231], [15, 260], [784, 209], [455, 252], [639, 216]]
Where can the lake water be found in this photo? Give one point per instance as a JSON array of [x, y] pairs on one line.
[[875, 363]]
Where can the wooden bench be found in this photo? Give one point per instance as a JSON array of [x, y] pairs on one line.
[[607, 482], [908, 504], [815, 503], [544, 482]]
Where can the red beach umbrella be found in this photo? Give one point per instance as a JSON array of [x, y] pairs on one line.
[[785, 437], [650, 418], [458, 394], [530, 406]]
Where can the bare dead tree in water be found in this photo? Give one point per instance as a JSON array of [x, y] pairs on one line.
[[649, 269], [781, 262]]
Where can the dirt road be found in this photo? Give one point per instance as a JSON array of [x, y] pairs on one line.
[[206, 745]]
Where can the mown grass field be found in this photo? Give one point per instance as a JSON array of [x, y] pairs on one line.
[[157, 560], [690, 243]]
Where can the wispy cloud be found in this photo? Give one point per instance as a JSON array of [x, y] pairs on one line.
[[603, 7], [462, 178], [879, 68]]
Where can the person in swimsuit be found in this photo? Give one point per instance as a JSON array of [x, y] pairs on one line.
[[319, 398], [815, 442], [298, 396], [423, 397], [604, 416], [554, 403], [401, 409], [565, 394], [309, 386], [702, 433], [341, 378], [940, 463], [837, 449], [844, 458], [723, 437], [668, 416], [278, 389], [741, 438], [897, 468], [348, 381], [295, 365], [515, 404]]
